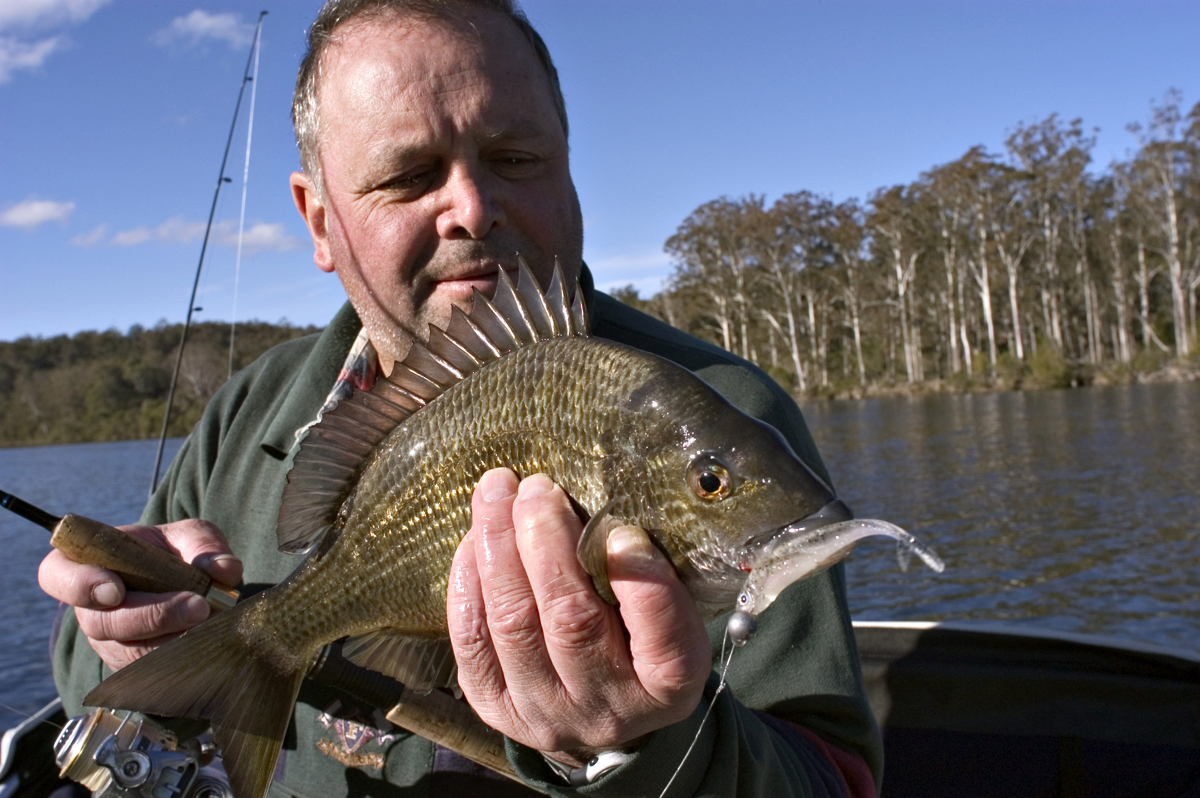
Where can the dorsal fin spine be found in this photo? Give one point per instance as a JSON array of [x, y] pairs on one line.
[[507, 292], [491, 345], [445, 340], [409, 395], [446, 364], [498, 317], [336, 449]]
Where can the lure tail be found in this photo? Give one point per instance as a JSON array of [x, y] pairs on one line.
[[210, 673]]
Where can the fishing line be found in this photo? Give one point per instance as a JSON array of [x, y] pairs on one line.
[[237, 267], [28, 716], [707, 712]]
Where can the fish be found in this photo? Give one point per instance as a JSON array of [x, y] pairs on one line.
[[379, 498]]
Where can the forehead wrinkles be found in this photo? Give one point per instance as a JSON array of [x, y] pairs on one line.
[[405, 54]]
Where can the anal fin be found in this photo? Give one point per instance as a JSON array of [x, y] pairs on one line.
[[420, 663]]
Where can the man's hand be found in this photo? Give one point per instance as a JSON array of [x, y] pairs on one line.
[[541, 657], [123, 626]]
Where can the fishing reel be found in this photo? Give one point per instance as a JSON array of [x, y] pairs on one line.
[[116, 758]]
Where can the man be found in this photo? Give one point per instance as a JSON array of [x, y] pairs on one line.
[[434, 141]]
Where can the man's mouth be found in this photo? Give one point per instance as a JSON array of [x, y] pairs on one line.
[[463, 284]]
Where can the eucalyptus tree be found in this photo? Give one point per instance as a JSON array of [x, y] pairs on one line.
[[951, 221], [1166, 163], [788, 238], [978, 185], [1014, 233], [1112, 193], [1048, 152], [714, 250], [897, 238], [846, 232]]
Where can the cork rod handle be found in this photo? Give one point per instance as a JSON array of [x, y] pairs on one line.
[[140, 565]]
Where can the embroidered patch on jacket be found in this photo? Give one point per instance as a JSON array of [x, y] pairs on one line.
[[358, 371], [351, 738]]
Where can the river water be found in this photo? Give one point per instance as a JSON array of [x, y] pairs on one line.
[[1065, 510]]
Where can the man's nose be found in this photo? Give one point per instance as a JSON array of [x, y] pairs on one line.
[[471, 208]]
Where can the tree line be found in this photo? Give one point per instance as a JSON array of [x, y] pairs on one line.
[[997, 269], [105, 386]]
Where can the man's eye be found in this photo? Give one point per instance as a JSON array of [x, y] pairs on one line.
[[410, 181], [515, 164]]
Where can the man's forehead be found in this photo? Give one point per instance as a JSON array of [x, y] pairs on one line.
[[466, 30], [389, 55]]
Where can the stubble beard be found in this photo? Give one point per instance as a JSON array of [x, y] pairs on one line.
[[423, 298]]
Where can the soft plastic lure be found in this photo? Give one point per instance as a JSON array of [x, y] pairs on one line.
[[797, 555]]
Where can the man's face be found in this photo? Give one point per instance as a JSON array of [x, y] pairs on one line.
[[443, 158]]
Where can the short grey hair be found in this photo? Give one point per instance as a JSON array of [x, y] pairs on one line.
[[335, 13]]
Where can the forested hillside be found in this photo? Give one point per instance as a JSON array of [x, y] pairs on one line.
[[1029, 267], [104, 386]]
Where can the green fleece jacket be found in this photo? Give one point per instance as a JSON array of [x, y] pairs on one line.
[[801, 669]]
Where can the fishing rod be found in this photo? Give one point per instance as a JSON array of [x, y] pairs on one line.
[[221, 180]]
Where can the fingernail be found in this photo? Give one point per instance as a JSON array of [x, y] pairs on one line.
[[534, 486], [496, 485], [106, 594], [206, 561], [632, 546], [194, 610]]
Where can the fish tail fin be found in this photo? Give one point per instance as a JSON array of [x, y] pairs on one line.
[[211, 673]]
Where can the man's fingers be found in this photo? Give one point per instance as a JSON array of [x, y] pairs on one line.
[[200, 543], [144, 616], [577, 625], [509, 602], [479, 672], [117, 655], [667, 639], [79, 585]]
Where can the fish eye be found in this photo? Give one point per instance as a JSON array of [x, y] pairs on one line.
[[708, 478]]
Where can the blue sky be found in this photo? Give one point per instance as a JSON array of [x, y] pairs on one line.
[[114, 113]]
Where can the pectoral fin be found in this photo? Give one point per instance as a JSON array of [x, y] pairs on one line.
[[593, 549]]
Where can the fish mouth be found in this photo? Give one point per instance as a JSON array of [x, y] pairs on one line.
[[761, 547]]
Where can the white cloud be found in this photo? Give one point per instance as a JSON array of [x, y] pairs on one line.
[[19, 18], [172, 231], [199, 25], [43, 13], [177, 231], [16, 54], [90, 238], [29, 213], [129, 238], [258, 237]]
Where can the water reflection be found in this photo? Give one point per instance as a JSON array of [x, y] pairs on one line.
[[1073, 510]]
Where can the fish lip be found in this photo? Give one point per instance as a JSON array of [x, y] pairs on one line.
[[834, 512]]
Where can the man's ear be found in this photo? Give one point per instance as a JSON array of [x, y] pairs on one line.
[[312, 210]]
